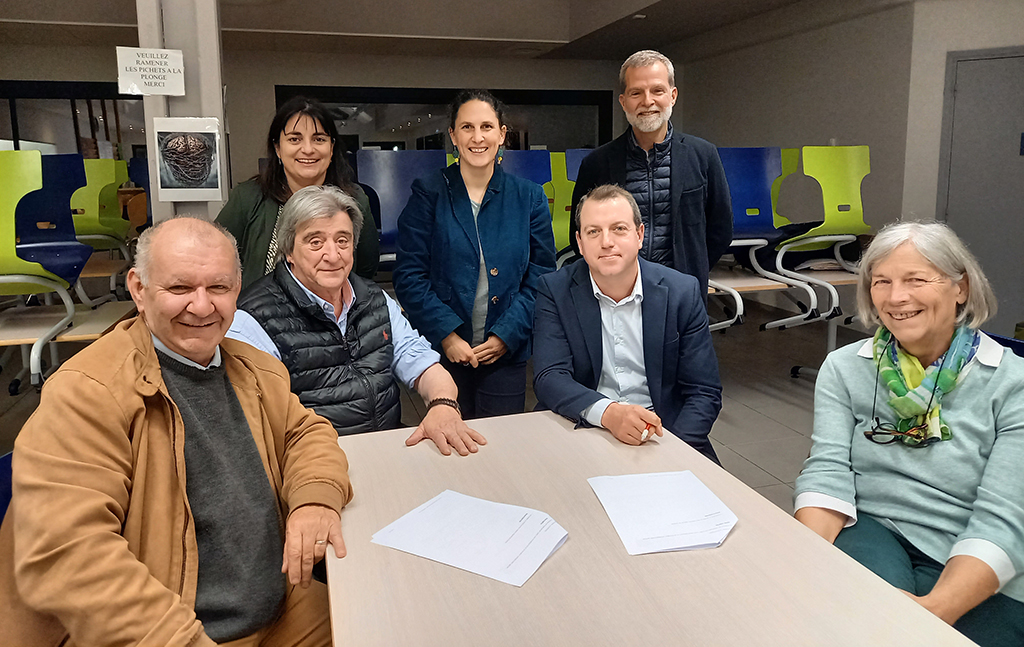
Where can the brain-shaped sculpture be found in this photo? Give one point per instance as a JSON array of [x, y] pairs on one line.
[[189, 157]]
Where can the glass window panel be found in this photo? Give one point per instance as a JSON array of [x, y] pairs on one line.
[[133, 127], [424, 126], [46, 125], [6, 137]]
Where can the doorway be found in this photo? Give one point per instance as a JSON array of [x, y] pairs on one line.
[[981, 192]]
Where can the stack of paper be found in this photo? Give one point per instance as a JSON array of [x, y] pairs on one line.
[[654, 513], [507, 543]]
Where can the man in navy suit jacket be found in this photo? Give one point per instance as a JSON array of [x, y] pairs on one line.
[[622, 343]]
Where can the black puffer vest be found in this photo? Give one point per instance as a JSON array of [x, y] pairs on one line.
[[648, 178], [346, 379]]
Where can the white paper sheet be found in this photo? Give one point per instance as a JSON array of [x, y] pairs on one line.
[[507, 543], [665, 511]]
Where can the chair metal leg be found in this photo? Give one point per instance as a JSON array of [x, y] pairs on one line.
[[833, 309], [737, 317], [35, 356], [563, 256], [845, 264], [36, 359], [94, 303], [796, 320]]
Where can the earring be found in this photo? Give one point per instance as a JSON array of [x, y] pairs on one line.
[[455, 153], [501, 152]]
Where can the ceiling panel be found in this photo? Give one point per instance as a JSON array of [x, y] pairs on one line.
[[662, 24], [464, 28]]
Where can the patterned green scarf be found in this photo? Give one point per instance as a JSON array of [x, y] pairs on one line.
[[911, 404]]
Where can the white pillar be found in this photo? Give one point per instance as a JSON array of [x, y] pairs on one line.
[[193, 26]]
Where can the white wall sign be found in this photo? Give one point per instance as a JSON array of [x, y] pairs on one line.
[[150, 71]]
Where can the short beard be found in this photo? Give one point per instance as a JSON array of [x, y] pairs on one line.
[[650, 123]]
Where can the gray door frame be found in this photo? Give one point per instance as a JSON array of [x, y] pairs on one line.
[[948, 95]]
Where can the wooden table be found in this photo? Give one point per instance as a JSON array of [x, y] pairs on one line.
[[743, 280], [100, 265], [772, 582], [25, 325]]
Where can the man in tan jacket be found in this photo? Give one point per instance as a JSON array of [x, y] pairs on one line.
[[170, 489]]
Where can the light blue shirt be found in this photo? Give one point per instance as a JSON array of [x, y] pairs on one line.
[[412, 353], [623, 373], [162, 347]]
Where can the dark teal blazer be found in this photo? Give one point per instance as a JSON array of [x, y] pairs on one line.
[[438, 257]]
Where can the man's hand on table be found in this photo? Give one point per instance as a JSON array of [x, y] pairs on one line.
[[308, 531], [445, 427], [630, 423]]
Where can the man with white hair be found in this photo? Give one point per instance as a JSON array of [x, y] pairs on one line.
[[170, 489], [677, 179]]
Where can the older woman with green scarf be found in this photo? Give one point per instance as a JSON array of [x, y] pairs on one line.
[[917, 463]]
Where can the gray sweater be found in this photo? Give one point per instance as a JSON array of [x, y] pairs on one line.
[[961, 496], [238, 528]]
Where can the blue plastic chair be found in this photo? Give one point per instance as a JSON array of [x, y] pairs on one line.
[[5, 483], [44, 225], [529, 165], [573, 159], [21, 173], [391, 174], [751, 172]]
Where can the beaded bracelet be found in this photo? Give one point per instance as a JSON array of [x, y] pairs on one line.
[[448, 402]]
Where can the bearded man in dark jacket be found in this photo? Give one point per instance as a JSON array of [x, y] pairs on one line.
[[677, 179]]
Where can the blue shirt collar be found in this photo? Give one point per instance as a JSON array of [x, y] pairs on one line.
[[327, 306], [637, 293]]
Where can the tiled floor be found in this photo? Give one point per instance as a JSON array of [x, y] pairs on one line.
[[762, 435]]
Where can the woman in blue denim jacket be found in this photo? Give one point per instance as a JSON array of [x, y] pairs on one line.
[[472, 242]]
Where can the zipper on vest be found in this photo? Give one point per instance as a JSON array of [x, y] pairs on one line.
[[650, 203], [373, 398]]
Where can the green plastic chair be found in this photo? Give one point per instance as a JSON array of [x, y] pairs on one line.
[[560, 200], [21, 172], [97, 213], [839, 171]]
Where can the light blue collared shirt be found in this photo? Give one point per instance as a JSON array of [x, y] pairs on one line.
[[623, 372], [412, 353], [162, 347]]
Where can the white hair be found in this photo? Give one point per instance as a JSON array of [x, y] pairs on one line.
[[312, 202], [941, 247]]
